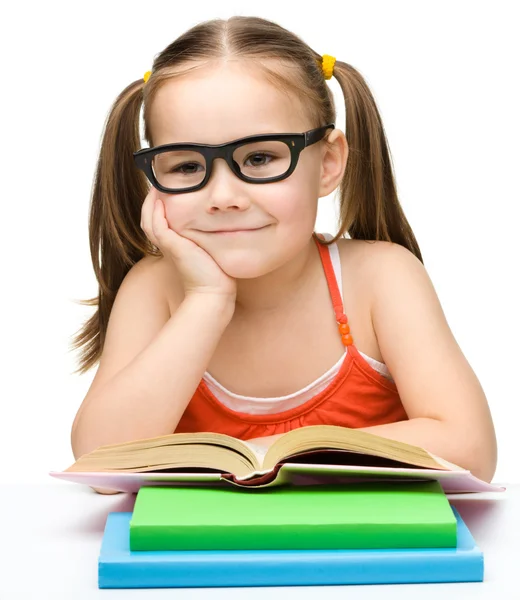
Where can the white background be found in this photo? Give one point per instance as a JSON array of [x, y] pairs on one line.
[[445, 77]]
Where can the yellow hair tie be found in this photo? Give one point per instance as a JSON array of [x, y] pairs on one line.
[[327, 66], [147, 76]]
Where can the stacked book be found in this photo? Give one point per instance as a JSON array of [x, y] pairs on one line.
[[360, 533]]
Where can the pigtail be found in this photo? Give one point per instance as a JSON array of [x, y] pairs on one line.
[[116, 239], [369, 206]]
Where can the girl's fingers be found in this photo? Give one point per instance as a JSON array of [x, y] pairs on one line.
[[144, 212], [159, 223], [149, 200], [147, 216]]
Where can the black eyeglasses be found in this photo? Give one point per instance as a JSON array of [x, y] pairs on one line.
[[181, 168]]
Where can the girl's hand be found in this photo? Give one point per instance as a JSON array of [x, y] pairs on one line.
[[199, 272]]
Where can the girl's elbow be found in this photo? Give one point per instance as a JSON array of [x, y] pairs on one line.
[[483, 459]]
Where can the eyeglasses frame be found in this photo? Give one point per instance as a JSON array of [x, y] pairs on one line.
[[296, 141]]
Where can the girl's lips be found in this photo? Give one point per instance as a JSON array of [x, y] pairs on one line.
[[239, 231]]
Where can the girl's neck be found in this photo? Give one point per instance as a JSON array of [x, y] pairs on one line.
[[277, 291]]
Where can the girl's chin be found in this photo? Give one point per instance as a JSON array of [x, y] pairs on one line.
[[241, 266], [245, 272]]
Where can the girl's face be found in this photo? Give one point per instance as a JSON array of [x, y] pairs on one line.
[[219, 104]]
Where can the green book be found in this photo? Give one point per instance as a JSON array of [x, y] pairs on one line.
[[358, 515]]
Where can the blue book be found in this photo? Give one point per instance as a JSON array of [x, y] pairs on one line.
[[119, 567]]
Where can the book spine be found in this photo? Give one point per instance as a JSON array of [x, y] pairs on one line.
[[293, 537], [243, 569]]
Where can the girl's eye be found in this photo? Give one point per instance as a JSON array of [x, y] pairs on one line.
[[258, 159], [186, 168]]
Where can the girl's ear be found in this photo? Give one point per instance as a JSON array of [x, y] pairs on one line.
[[333, 162]]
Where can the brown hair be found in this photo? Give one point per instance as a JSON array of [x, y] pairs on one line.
[[369, 207]]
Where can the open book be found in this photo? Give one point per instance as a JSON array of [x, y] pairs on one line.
[[319, 450]]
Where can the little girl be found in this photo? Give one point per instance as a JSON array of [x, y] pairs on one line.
[[220, 308]]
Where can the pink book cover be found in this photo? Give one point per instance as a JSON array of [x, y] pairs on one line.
[[460, 481]]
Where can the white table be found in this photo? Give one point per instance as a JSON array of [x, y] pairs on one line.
[[51, 535]]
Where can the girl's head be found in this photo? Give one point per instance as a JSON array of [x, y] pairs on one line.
[[218, 101], [220, 81]]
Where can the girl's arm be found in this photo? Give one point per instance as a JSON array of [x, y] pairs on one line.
[[445, 403], [151, 363]]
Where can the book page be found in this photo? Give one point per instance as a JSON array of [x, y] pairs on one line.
[[315, 437], [260, 446], [180, 450]]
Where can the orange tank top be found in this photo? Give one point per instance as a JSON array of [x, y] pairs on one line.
[[358, 396]]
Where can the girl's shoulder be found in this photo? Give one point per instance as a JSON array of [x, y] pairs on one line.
[[164, 273], [368, 267], [371, 255]]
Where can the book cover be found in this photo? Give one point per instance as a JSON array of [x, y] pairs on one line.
[[119, 567], [288, 473], [370, 515]]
